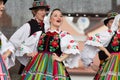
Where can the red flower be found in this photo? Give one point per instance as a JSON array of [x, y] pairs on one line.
[[54, 44], [119, 31], [62, 35], [72, 41], [90, 38], [115, 43], [56, 38], [118, 35], [41, 37], [115, 38], [98, 36], [40, 42], [52, 33], [77, 47], [109, 31]]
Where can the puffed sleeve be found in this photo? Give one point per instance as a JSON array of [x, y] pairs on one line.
[[20, 35], [92, 44], [100, 39], [6, 45], [28, 46], [69, 46]]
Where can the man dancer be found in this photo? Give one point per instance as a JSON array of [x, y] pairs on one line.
[[39, 10]]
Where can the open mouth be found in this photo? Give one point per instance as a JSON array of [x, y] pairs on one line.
[[59, 21], [1, 9]]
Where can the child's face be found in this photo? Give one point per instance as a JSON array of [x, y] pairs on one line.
[[109, 24]]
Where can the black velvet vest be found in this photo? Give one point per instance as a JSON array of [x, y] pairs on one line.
[[102, 55], [50, 42], [35, 26]]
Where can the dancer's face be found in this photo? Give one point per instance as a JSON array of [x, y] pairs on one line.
[[109, 24], [2, 6], [40, 14], [56, 18]]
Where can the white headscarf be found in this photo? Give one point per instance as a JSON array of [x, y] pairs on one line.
[[115, 23], [47, 21]]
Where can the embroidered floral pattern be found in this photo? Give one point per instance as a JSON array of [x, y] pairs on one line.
[[116, 41], [20, 48], [110, 31], [41, 41], [95, 38], [72, 41], [64, 34], [72, 47], [54, 43]]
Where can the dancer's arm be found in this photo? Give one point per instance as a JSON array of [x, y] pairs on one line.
[[105, 50], [61, 58]]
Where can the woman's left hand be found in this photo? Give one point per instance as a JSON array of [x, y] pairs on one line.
[[55, 57]]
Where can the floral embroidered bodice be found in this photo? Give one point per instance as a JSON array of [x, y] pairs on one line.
[[49, 42], [114, 45]]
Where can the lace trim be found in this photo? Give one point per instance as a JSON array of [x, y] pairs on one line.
[[110, 73], [47, 74]]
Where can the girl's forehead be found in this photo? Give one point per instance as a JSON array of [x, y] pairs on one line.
[[56, 12]]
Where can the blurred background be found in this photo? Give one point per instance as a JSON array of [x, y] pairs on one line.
[[83, 18]]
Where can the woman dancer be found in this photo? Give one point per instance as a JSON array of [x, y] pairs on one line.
[[53, 47]]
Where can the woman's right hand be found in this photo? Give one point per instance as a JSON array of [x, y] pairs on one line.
[[109, 57], [106, 51]]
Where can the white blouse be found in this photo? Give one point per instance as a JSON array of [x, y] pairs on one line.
[[68, 46], [22, 34], [92, 44], [6, 45], [19, 37]]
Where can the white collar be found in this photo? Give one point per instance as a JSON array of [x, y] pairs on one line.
[[57, 30]]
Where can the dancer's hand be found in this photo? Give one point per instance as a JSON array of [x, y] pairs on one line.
[[55, 57], [31, 54], [61, 58], [6, 54], [94, 67], [109, 57]]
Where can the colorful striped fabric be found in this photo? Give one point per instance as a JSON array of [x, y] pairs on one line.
[[4, 75], [110, 70], [42, 67]]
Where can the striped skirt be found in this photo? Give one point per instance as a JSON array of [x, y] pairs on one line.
[[4, 75], [42, 67], [109, 70]]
